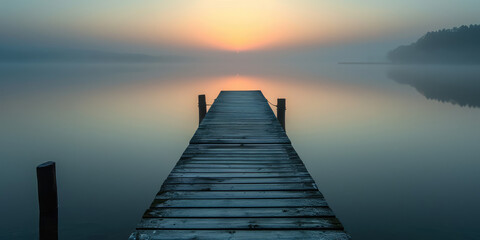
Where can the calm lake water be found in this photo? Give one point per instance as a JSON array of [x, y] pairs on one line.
[[395, 149]]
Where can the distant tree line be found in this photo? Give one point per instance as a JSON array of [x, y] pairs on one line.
[[456, 45]]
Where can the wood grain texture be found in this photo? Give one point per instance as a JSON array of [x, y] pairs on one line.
[[239, 212], [239, 235], [239, 178], [240, 223]]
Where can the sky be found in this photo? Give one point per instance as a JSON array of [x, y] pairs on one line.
[[228, 26]]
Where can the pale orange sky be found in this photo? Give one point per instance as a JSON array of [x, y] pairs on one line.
[[234, 25], [251, 25]]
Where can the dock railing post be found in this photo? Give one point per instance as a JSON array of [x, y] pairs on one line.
[[202, 107], [281, 107], [47, 200]]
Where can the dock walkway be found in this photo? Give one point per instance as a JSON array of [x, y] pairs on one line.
[[239, 178]]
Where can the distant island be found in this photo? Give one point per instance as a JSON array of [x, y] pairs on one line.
[[457, 46]]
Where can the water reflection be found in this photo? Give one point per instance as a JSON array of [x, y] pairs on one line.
[[116, 131], [454, 84]]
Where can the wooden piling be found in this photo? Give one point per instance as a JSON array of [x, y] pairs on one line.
[[281, 107], [202, 107], [48, 200]]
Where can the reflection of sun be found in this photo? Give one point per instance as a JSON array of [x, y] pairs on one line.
[[237, 82]]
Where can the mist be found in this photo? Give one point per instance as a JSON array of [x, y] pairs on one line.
[[312, 31]]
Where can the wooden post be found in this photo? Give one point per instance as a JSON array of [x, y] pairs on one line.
[[281, 107], [202, 107], [48, 200]]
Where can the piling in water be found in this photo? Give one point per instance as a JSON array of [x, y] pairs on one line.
[[281, 107], [202, 107], [47, 200]]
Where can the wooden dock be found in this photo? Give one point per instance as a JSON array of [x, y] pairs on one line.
[[239, 178]]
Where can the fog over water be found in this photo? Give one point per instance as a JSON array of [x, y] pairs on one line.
[[454, 84], [108, 90], [394, 149]]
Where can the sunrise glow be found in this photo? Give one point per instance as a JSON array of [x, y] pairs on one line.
[[220, 25], [236, 25]]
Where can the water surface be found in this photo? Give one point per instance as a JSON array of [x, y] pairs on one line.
[[394, 149]]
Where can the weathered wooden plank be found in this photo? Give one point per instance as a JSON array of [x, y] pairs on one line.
[[270, 212], [229, 180], [265, 122], [232, 162], [234, 140], [239, 148], [250, 175], [240, 170], [251, 159], [229, 203], [219, 156], [241, 187], [233, 153], [239, 127], [239, 235], [189, 164], [244, 158], [239, 155], [240, 152], [234, 150], [237, 194], [243, 148], [240, 223]]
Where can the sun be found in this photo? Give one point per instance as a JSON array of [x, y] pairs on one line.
[[238, 25]]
